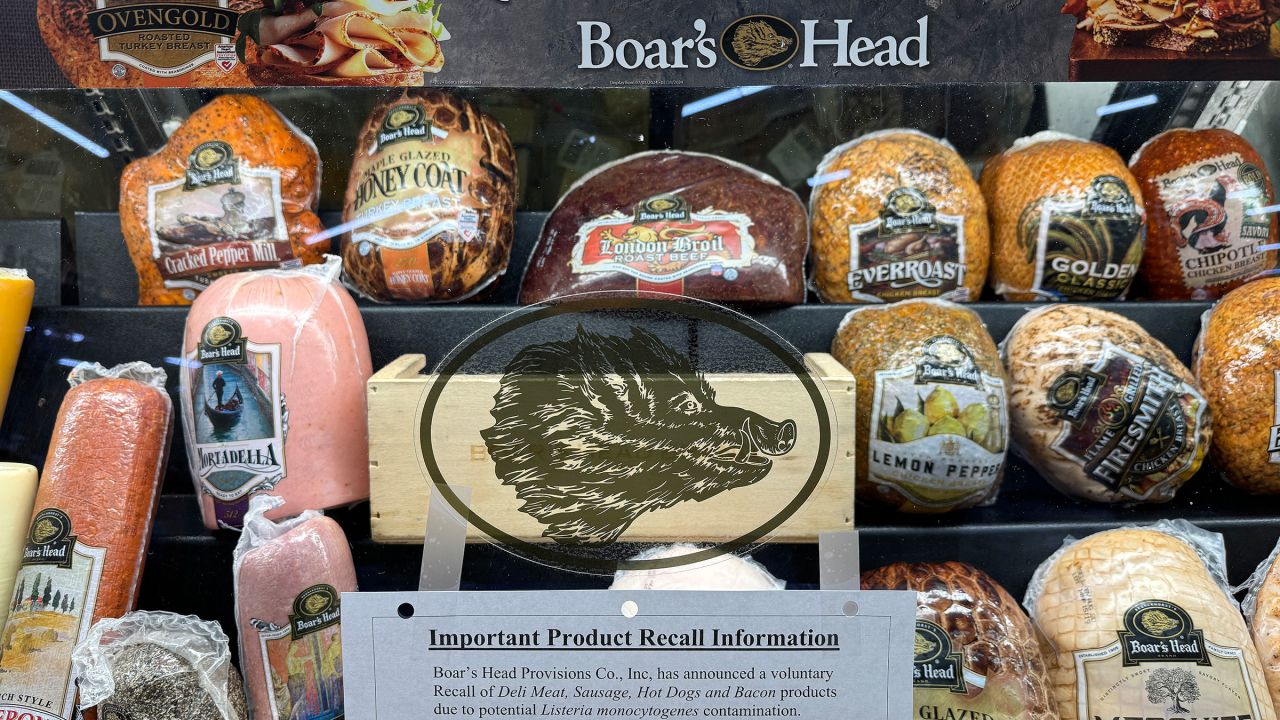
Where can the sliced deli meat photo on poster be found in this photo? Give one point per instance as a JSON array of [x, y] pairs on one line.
[[387, 359]]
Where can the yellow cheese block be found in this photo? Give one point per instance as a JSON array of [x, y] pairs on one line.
[[16, 294], [1139, 628], [17, 495]]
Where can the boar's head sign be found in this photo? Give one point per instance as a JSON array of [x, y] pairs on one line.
[[608, 415], [596, 430]]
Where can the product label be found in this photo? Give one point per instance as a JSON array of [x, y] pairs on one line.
[[941, 427], [237, 410], [1273, 446], [1128, 422], [946, 688], [662, 242], [414, 190], [163, 39], [1212, 204], [911, 250], [1085, 249], [1161, 666], [221, 217], [302, 660], [51, 610]]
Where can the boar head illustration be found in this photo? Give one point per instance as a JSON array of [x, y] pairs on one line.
[[595, 431]]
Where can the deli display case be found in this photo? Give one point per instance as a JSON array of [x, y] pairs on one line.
[[295, 315]]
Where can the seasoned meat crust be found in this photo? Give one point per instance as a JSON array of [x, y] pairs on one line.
[[1171, 159], [1237, 360], [876, 338], [878, 165]]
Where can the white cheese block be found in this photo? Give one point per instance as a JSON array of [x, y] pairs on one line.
[[1139, 627], [17, 494]]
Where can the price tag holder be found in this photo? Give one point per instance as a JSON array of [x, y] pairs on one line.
[[815, 655]]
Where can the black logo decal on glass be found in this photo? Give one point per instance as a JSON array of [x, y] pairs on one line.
[[597, 430], [759, 42]]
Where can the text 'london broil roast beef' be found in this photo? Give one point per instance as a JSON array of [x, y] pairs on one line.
[[432, 191], [674, 222]]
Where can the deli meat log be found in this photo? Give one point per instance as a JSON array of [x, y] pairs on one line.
[[88, 533], [289, 577]]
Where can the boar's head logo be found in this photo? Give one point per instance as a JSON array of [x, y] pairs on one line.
[[595, 431], [751, 41]]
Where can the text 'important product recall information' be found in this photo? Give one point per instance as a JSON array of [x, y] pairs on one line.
[[653, 654]]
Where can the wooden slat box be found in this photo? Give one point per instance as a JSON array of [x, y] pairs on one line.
[[401, 485]]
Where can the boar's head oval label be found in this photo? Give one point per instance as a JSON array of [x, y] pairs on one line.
[[595, 420], [759, 42]]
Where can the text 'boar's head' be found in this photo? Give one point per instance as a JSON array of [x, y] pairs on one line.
[[595, 431]]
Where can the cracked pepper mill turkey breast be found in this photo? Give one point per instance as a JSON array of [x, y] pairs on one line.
[[1140, 626], [932, 422], [1100, 408], [1067, 220], [450, 171], [234, 189], [976, 653], [898, 216]]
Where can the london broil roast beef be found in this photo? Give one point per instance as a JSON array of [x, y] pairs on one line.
[[675, 222]]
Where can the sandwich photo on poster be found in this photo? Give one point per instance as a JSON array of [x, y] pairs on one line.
[[1174, 39]]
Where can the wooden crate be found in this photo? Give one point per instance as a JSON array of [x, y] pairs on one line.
[[400, 485]]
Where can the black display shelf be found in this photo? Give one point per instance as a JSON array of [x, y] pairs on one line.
[[189, 568], [37, 246]]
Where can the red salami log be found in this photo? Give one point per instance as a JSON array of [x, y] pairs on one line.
[[88, 534], [673, 222]]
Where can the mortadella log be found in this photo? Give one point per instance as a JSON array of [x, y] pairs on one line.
[[273, 393], [88, 536], [289, 577]]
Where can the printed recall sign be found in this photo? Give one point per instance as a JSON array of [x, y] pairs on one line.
[[614, 654]]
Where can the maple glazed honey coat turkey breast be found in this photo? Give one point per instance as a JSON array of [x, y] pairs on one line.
[[674, 222], [1140, 625], [234, 189], [450, 171], [976, 653], [1203, 191], [897, 215], [1067, 220]]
